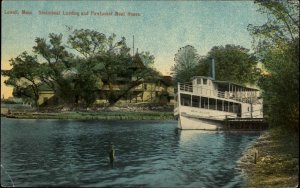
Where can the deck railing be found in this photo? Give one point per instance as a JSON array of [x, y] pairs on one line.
[[186, 87], [238, 96]]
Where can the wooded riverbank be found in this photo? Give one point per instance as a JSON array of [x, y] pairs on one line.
[[132, 112], [95, 115], [272, 161]]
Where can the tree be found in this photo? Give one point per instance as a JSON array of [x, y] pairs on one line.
[[232, 63], [24, 77], [76, 72], [277, 47], [110, 60], [186, 59], [281, 87], [86, 84], [282, 25], [56, 59], [88, 42], [147, 58], [106, 57]]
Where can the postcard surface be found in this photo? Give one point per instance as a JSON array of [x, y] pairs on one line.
[[123, 93]]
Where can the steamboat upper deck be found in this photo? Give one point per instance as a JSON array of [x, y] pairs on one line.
[[207, 87]]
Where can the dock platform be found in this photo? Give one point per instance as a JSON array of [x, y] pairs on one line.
[[247, 124]]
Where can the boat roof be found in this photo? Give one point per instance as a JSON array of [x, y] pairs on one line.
[[226, 83], [210, 78], [238, 86]]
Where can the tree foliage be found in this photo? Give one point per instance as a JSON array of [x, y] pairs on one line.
[[186, 59], [282, 25], [24, 76], [277, 47], [77, 70], [232, 63]]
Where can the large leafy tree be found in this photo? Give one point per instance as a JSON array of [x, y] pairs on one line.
[[24, 77], [186, 60], [232, 63], [103, 55], [86, 83], [277, 47], [56, 59], [282, 24], [110, 60], [76, 72]]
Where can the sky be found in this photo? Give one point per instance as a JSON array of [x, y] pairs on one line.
[[160, 27]]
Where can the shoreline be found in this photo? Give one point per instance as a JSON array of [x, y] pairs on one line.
[[272, 160], [94, 115]]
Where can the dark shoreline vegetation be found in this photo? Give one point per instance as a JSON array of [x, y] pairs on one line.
[[277, 150], [96, 115]]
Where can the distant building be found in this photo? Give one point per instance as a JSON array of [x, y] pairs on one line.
[[47, 96], [160, 91], [157, 89]]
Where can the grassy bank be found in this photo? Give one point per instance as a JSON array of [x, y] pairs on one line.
[[98, 115], [277, 160]]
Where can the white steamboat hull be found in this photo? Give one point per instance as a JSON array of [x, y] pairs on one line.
[[191, 123]]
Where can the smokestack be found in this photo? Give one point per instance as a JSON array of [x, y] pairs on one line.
[[213, 73], [133, 45]]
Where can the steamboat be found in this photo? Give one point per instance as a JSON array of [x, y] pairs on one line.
[[205, 103]]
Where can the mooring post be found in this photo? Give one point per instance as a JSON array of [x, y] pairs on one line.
[[226, 122], [255, 155]]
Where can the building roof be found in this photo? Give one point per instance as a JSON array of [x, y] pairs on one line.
[[210, 78], [45, 87], [137, 62], [167, 80]]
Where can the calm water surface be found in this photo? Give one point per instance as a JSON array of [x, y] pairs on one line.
[[148, 154]]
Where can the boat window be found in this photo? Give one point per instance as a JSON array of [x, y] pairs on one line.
[[237, 107], [225, 106], [195, 101], [212, 104], [204, 102], [239, 110], [234, 106], [230, 106], [219, 105], [185, 99], [199, 81], [204, 81]]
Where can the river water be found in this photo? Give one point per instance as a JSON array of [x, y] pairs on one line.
[[148, 154]]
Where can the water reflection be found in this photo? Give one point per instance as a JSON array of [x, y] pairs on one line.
[[215, 154], [148, 154]]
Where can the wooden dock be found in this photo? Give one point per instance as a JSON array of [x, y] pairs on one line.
[[245, 124]]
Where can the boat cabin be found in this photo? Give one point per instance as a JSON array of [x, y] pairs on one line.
[[207, 93]]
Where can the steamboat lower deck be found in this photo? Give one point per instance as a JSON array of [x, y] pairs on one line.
[[187, 122]]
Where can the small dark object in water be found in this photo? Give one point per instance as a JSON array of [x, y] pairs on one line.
[[111, 153]]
